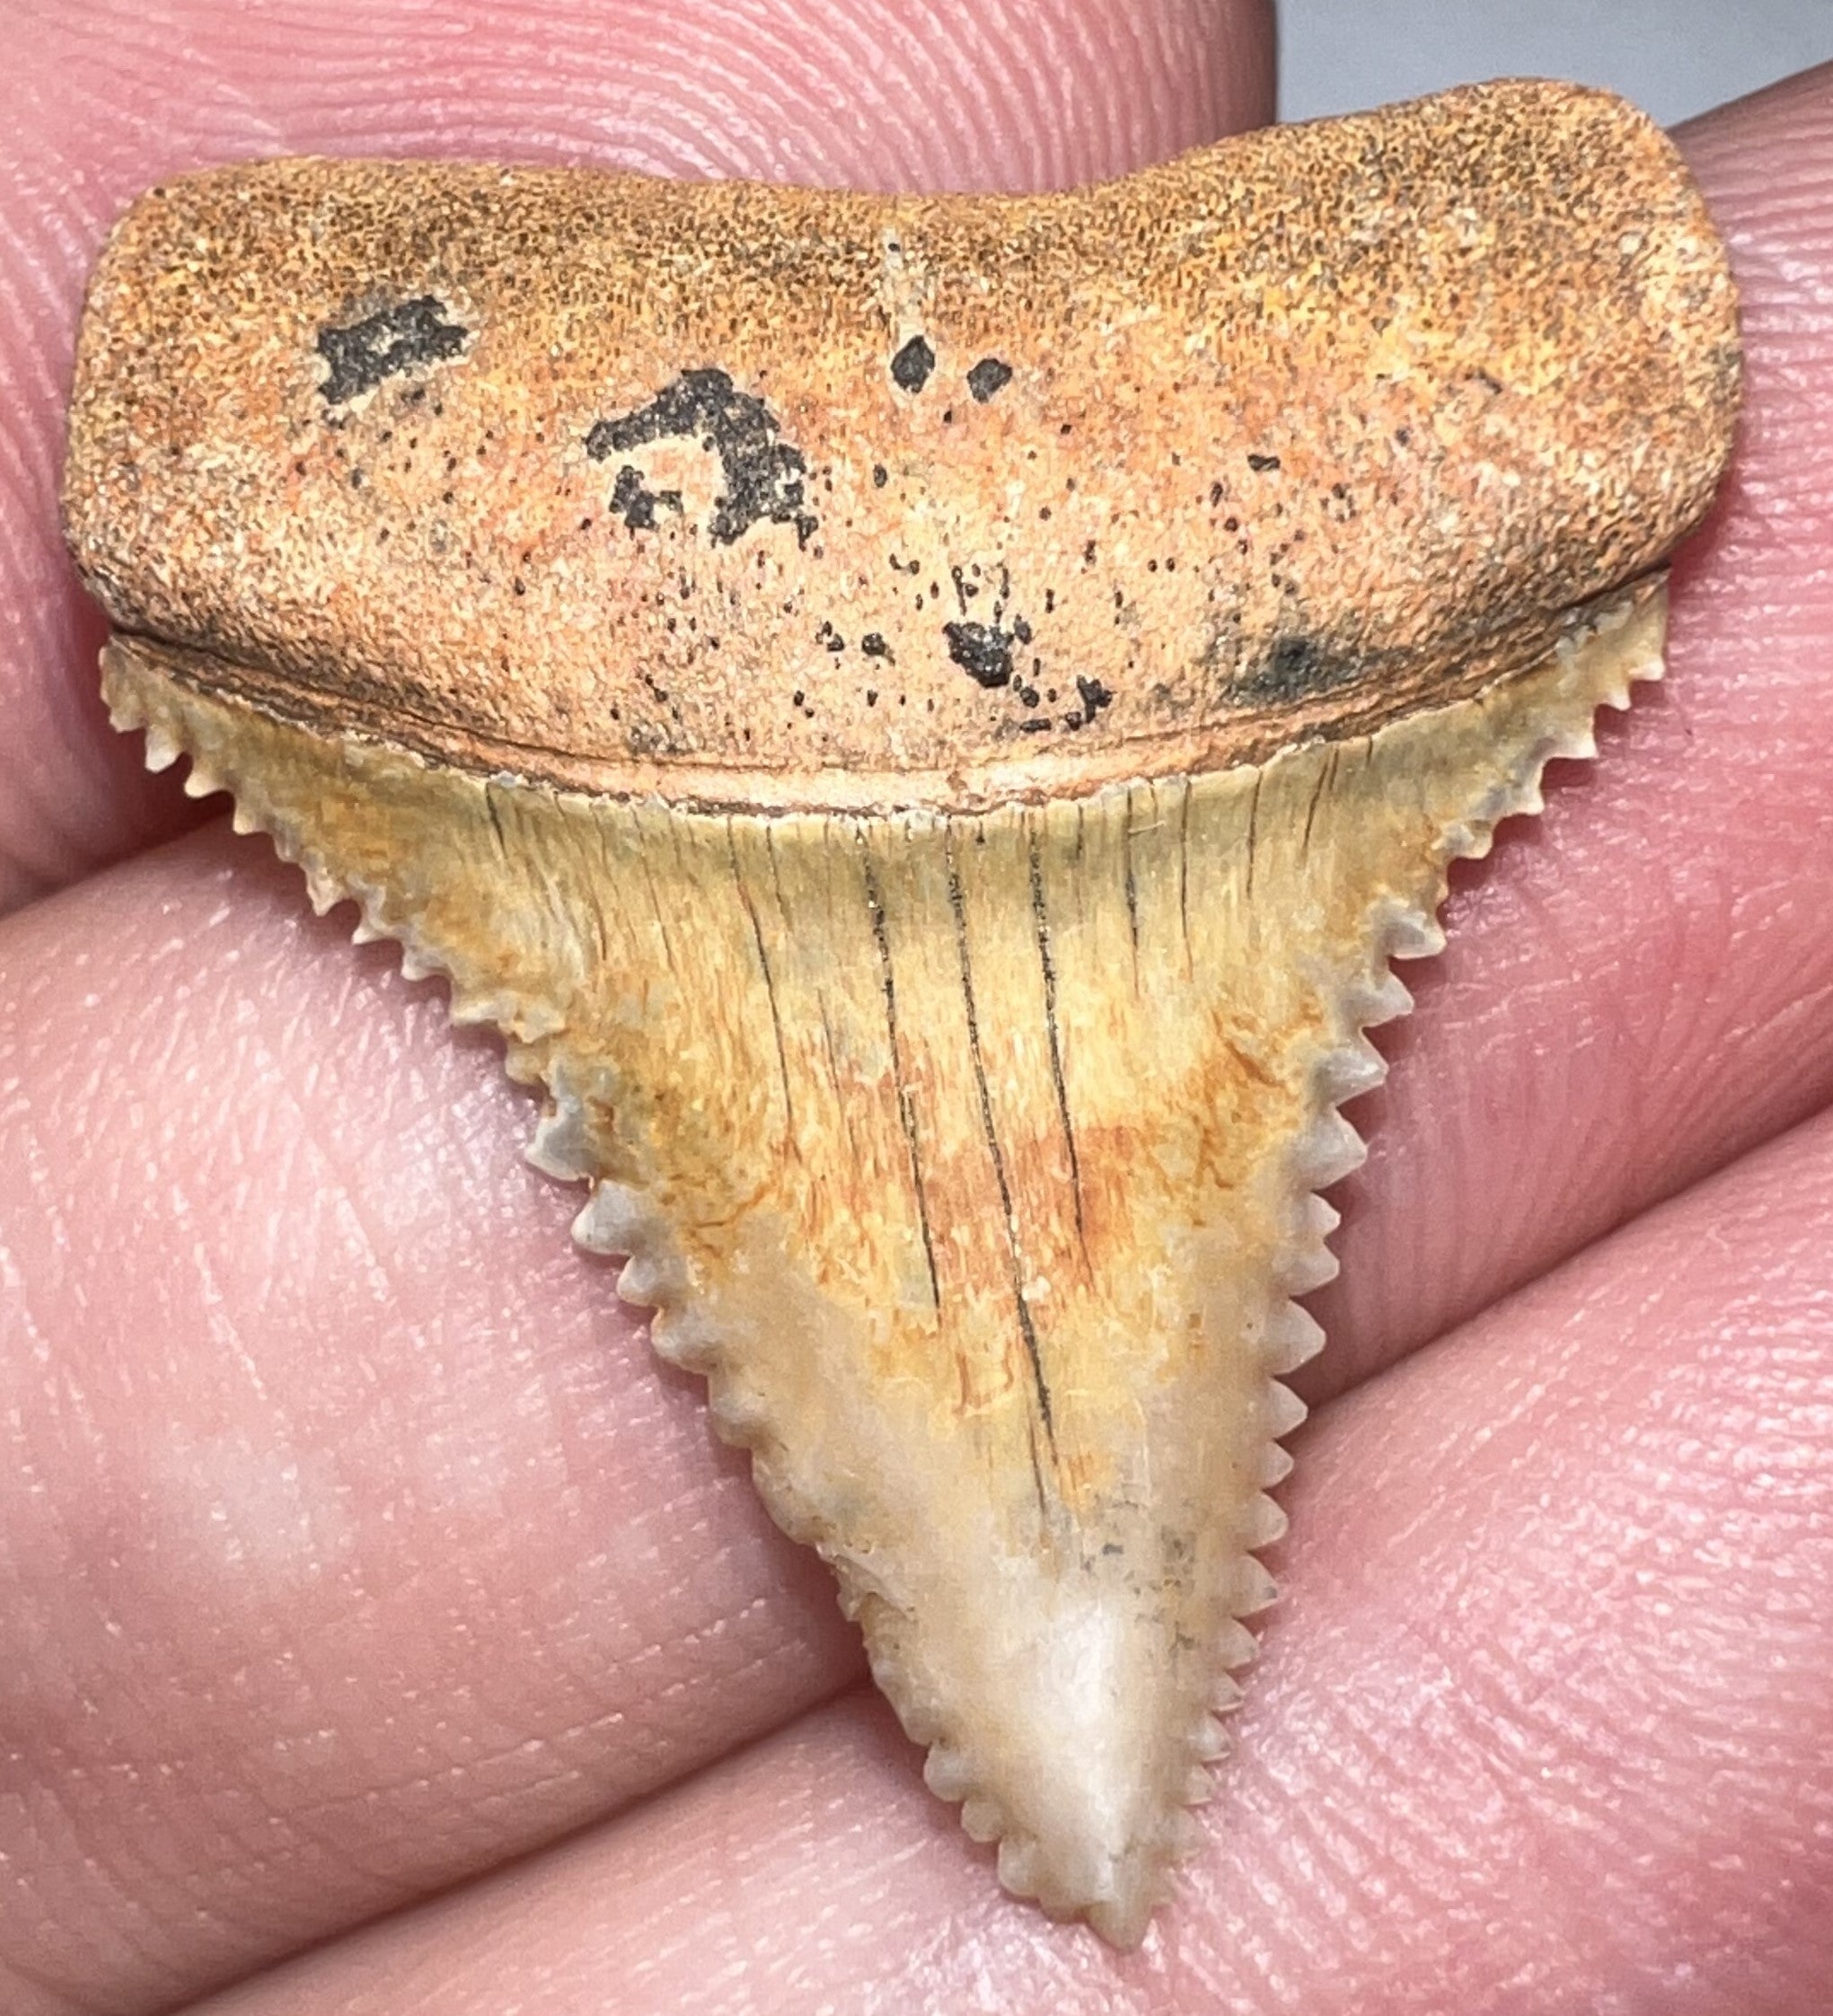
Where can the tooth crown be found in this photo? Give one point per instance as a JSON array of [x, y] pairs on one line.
[[970, 1158]]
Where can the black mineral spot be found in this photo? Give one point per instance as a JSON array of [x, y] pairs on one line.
[[912, 365], [874, 646], [1297, 667], [762, 473], [1263, 461], [1095, 697], [990, 375], [984, 651], [358, 356], [636, 503], [880, 477]]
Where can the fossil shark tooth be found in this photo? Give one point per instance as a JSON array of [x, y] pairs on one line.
[[924, 722]]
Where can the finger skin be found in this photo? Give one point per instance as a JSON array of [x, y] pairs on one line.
[[101, 97], [1544, 1726], [353, 1543]]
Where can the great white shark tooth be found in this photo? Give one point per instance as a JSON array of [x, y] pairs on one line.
[[923, 721]]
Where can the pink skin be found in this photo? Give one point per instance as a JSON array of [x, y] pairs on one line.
[[351, 1544]]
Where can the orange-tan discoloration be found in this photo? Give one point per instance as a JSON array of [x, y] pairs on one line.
[[1290, 424]]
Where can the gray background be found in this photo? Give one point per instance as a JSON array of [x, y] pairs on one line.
[[1674, 57]]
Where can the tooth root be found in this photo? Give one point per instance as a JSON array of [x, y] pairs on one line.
[[967, 1158]]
